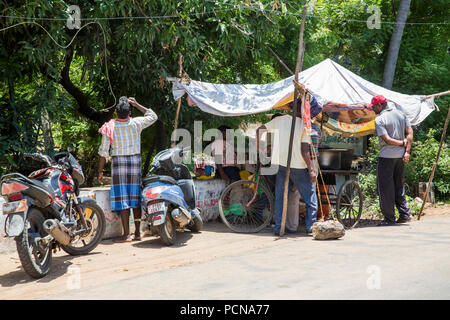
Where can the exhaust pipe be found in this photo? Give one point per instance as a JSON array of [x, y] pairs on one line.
[[58, 231], [179, 217]]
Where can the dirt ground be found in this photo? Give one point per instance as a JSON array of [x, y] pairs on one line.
[[110, 263], [436, 211]]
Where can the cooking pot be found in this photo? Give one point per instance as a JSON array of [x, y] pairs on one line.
[[335, 159]]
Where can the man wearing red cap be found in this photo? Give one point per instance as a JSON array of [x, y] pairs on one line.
[[395, 137]]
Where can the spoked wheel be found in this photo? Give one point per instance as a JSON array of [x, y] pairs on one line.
[[96, 223], [35, 257], [239, 213], [349, 204]]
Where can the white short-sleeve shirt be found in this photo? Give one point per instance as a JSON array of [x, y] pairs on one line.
[[280, 128]]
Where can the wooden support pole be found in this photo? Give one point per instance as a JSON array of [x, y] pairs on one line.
[[180, 74], [294, 117], [278, 59], [436, 95], [435, 163]]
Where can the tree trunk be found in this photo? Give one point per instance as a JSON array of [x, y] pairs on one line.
[[49, 145], [148, 158], [11, 89], [90, 169], [99, 116], [394, 45], [160, 136]]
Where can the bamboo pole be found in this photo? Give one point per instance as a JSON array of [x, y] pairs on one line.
[[294, 117], [278, 59], [180, 73], [436, 95], [435, 163]]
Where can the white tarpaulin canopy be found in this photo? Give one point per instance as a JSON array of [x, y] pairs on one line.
[[327, 81]]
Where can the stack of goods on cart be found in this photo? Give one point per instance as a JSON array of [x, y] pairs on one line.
[[204, 167]]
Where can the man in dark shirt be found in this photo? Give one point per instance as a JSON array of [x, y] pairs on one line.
[[395, 137]]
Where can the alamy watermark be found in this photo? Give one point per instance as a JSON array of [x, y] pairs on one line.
[[74, 22], [230, 146], [74, 279], [374, 280], [374, 21]]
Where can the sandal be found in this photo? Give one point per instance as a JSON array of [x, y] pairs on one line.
[[121, 239], [137, 238]]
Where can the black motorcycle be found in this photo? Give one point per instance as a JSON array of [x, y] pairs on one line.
[[44, 212]]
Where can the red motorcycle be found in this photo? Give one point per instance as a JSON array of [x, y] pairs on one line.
[[44, 212]]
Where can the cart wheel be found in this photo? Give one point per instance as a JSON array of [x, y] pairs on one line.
[[349, 204], [237, 211]]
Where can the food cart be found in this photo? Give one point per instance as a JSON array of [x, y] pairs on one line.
[[343, 96]]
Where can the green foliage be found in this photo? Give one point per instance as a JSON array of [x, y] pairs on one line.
[[423, 157], [21, 120], [224, 42], [368, 180], [368, 184], [84, 134], [413, 205], [418, 169]]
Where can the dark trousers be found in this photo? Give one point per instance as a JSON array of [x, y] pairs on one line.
[[391, 187]]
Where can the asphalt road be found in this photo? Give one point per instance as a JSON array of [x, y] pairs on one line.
[[402, 262]]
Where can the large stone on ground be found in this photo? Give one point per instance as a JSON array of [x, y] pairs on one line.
[[327, 230]]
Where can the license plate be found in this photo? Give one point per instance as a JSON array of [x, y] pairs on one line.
[[15, 206], [156, 207]]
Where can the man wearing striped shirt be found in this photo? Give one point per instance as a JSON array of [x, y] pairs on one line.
[[123, 137]]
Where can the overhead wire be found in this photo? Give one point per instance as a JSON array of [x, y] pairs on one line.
[[256, 9], [235, 7], [70, 43], [122, 18], [218, 9], [95, 21]]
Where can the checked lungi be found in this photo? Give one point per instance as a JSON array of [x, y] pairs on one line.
[[126, 182]]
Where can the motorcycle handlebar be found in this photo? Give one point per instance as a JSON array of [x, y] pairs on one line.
[[38, 157]]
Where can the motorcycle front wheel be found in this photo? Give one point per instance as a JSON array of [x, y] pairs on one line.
[[96, 223], [167, 231], [35, 258], [197, 224]]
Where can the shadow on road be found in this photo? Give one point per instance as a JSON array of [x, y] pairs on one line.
[[58, 268], [368, 223], [154, 242], [219, 227]]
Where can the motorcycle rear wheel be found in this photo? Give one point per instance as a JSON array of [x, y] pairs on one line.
[[35, 262], [167, 231], [96, 221]]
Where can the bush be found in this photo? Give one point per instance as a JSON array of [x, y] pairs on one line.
[[413, 205], [418, 169], [368, 184], [423, 155]]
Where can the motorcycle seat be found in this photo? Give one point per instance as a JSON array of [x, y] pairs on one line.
[[163, 179], [42, 185]]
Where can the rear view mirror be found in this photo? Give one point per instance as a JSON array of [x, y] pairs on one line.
[[70, 147]]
